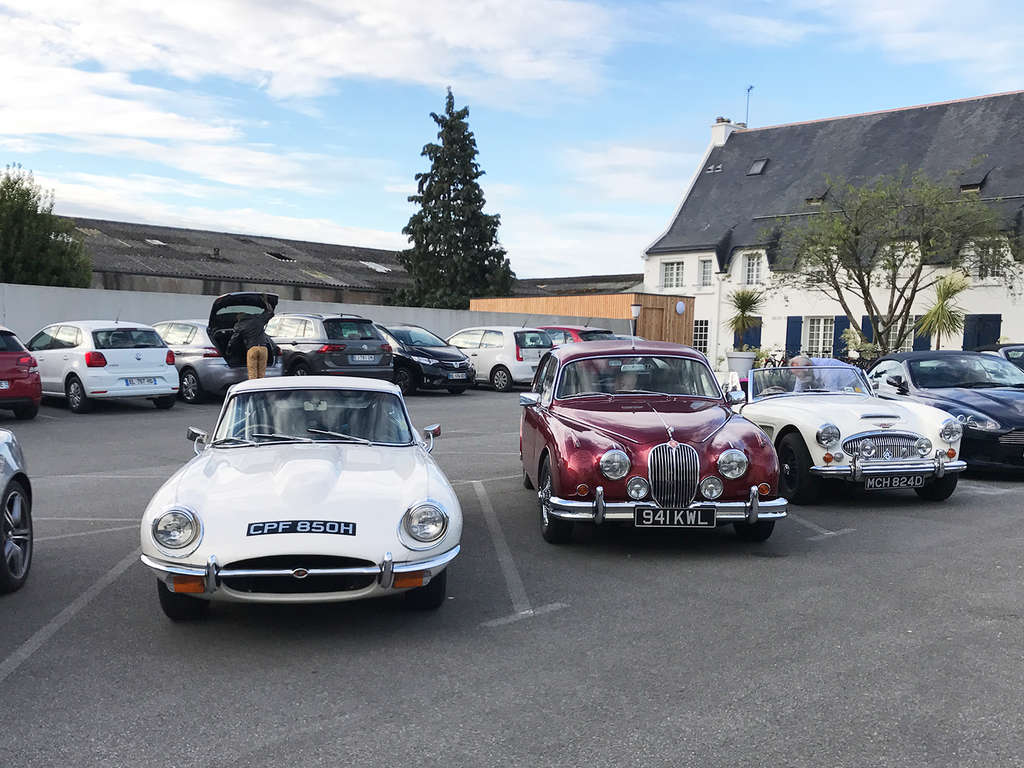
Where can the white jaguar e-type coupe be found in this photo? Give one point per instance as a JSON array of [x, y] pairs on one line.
[[826, 423], [310, 489]]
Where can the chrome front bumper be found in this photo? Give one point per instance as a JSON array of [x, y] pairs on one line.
[[856, 470], [599, 510], [385, 572]]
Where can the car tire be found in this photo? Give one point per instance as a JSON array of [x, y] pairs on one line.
[[181, 607], [300, 369], [938, 489], [432, 596], [190, 388], [527, 482], [553, 530], [26, 412], [405, 379], [501, 379], [15, 537], [759, 531], [796, 483], [165, 402], [456, 390], [74, 391]]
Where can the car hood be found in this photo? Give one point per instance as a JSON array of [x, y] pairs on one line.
[[1004, 404], [692, 421], [451, 354], [852, 413]]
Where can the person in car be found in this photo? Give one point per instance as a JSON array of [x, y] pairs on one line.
[[249, 334]]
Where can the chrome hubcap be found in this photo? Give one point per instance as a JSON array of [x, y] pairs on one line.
[[75, 394], [189, 386], [500, 380], [544, 494], [17, 535]]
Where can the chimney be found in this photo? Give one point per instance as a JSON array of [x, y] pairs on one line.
[[721, 129]]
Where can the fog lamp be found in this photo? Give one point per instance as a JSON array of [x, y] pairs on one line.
[[637, 488], [711, 487]]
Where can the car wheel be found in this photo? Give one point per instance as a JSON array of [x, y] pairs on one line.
[[26, 412], [938, 489], [165, 402], [796, 482], [430, 597], [300, 369], [501, 379], [527, 482], [15, 537], [759, 531], [456, 390], [78, 401], [405, 379], [554, 530], [191, 388], [181, 607]]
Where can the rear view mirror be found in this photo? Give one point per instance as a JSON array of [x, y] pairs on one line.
[[197, 438], [432, 433], [526, 399], [735, 397]]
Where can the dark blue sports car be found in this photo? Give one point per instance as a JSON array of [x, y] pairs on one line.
[[985, 392]]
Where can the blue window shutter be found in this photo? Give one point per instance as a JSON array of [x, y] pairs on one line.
[[842, 323], [751, 337], [922, 342], [794, 334], [865, 326]]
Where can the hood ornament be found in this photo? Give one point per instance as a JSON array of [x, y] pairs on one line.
[[664, 423]]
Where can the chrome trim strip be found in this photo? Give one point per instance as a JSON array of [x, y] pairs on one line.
[[725, 511], [438, 561], [180, 570]]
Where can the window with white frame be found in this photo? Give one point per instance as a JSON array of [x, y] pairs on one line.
[[752, 268], [705, 273], [701, 329], [672, 274], [818, 338], [907, 344]]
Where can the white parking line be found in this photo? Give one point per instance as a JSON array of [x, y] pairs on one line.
[[101, 476], [516, 590], [85, 533], [524, 615], [30, 646], [822, 533], [485, 480], [985, 489]]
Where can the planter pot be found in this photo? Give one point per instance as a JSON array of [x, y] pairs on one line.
[[740, 362]]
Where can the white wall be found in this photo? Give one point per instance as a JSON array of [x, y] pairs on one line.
[[27, 308]]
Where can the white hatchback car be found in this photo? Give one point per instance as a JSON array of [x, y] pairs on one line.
[[503, 354], [311, 489], [100, 359]]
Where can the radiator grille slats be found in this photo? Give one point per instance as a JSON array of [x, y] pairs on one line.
[[1016, 437], [900, 445], [674, 471]]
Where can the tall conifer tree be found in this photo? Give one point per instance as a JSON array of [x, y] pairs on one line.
[[455, 253]]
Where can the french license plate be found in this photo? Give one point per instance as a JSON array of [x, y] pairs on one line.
[[5, 385], [700, 517], [363, 358], [456, 375], [136, 381], [335, 527], [884, 482]]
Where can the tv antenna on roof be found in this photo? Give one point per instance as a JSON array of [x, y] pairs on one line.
[[746, 118]]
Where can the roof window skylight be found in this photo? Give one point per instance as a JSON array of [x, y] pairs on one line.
[[757, 167], [153, 241], [279, 256], [375, 266]]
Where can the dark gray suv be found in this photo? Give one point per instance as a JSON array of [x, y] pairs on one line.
[[341, 345]]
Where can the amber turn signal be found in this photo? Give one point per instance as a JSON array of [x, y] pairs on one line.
[[951, 453], [406, 580], [828, 458], [764, 489], [193, 584], [582, 489]]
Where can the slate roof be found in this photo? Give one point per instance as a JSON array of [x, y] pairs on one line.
[[727, 209], [146, 249], [575, 286]]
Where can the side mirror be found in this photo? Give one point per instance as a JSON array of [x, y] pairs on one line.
[[527, 399], [197, 438], [898, 382], [432, 432], [735, 397]]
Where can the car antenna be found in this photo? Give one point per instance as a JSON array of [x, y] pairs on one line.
[[524, 321], [587, 324]]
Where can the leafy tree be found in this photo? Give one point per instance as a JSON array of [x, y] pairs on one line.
[[883, 243], [945, 317], [36, 247], [455, 253]]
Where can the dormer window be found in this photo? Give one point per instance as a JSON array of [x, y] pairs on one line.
[[973, 179], [817, 194], [757, 167]]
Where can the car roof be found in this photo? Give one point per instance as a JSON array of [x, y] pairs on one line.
[[574, 328], [203, 323], [497, 328], [323, 315], [568, 352], [98, 325], [924, 354], [4, 328], [997, 347], [316, 382]]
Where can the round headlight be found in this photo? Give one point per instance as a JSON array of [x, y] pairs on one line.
[[732, 463], [867, 448], [615, 464], [711, 487], [176, 528], [637, 488], [828, 435], [425, 523], [923, 446], [952, 430]]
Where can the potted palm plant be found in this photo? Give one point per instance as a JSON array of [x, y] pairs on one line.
[[746, 303]]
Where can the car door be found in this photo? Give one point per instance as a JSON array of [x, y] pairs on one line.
[[469, 342], [533, 427], [491, 346], [68, 337], [45, 348]]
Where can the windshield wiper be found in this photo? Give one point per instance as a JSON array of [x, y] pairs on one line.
[[340, 436], [639, 392], [232, 441], [585, 394], [277, 436], [811, 390]]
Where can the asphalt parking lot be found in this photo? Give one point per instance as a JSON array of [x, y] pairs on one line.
[[869, 630]]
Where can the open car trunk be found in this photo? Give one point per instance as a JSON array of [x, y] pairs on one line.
[[223, 315]]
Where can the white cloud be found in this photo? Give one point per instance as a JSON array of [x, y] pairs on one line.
[[630, 172]]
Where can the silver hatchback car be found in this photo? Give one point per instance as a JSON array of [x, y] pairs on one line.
[[202, 369], [16, 522]]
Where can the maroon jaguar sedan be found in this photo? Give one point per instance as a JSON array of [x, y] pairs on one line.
[[642, 433]]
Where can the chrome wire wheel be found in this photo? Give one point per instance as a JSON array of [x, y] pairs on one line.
[[553, 529], [15, 537]]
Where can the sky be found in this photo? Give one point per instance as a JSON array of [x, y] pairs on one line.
[[305, 119]]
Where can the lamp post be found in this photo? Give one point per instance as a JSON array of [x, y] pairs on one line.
[[634, 310]]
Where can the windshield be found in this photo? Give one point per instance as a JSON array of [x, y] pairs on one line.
[[345, 330], [126, 338], [596, 335], [653, 374], [842, 379], [417, 337], [974, 371], [279, 414]]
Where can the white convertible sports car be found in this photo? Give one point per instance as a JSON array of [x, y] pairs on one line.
[[310, 489], [827, 423]]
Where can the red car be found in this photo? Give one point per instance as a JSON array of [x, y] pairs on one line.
[[20, 388], [643, 434], [571, 334]]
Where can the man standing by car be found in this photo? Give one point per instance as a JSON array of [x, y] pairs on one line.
[[249, 334]]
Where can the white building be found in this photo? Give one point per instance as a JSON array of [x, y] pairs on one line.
[[753, 180]]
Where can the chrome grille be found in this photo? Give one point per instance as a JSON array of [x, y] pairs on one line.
[[674, 471], [899, 444], [454, 363], [1016, 437]]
